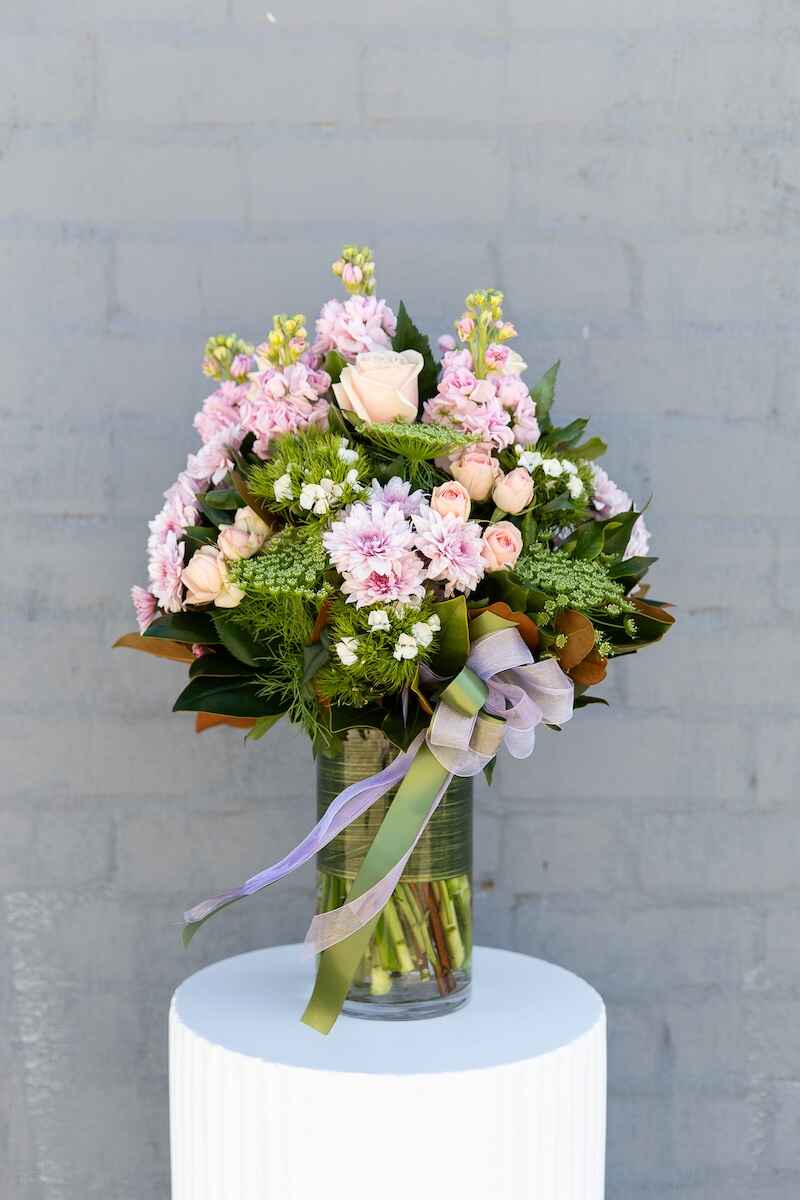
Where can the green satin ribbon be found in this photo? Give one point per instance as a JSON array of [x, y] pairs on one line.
[[399, 830]]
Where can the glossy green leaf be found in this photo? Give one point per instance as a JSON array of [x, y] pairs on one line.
[[262, 726], [227, 697], [226, 498], [593, 447], [201, 535], [239, 642], [185, 627], [408, 337], [334, 365], [219, 664], [543, 395]]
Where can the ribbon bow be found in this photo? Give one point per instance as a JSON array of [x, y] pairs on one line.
[[498, 698]]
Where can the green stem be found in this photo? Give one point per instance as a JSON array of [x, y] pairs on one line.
[[452, 932]]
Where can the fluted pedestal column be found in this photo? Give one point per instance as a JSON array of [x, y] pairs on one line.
[[504, 1098]]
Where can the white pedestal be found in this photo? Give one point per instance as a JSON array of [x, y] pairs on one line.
[[502, 1100]]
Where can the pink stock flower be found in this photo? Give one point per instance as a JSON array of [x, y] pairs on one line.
[[145, 605], [610, 500], [470, 405], [241, 366], [397, 491], [284, 401], [465, 328], [183, 490], [164, 572], [213, 460], [457, 383], [497, 356], [403, 583], [453, 547], [510, 391], [369, 539], [355, 326], [446, 343], [220, 410], [454, 359]]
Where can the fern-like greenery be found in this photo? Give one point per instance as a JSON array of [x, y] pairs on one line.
[[299, 463], [376, 673]]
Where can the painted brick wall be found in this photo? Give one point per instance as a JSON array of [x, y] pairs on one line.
[[629, 174]]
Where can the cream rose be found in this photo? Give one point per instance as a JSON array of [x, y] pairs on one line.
[[451, 497], [501, 545], [381, 386], [513, 491], [477, 469], [207, 581]]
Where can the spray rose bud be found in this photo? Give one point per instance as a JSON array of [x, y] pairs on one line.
[[477, 470], [513, 491], [252, 523], [206, 580], [501, 546], [451, 497], [238, 543]]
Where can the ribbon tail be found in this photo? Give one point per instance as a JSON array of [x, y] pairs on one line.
[[400, 829], [347, 806]]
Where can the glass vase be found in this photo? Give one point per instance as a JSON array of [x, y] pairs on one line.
[[418, 963]]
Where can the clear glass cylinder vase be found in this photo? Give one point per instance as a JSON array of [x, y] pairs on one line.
[[418, 963]]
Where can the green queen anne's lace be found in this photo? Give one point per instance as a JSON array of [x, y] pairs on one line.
[[292, 563], [571, 582]]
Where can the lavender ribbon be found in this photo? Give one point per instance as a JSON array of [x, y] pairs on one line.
[[346, 808], [521, 694]]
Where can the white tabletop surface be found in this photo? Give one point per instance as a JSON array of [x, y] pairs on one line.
[[520, 1008]]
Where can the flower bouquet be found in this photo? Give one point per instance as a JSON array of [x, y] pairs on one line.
[[410, 559]]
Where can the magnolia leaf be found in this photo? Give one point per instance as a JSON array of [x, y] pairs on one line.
[[204, 721], [592, 670], [580, 637], [586, 542], [226, 697], [585, 701], [161, 648], [529, 631], [238, 641], [566, 435], [194, 627], [261, 726], [630, 570], [544, 394], [617, 532], [219, 665], [408, 337]]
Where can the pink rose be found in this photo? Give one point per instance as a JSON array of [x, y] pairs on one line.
[[206, 580], [501, 545], [513, 491], [477, 470], [451, 497], [381, 386]]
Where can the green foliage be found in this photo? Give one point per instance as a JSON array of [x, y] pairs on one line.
[[195, 627], [310, 476], [543, 395], [413, 441], [376, 672], [292, 565], [569, 582], [408, 337]]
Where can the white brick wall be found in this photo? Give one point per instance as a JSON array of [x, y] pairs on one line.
[[629, 174]]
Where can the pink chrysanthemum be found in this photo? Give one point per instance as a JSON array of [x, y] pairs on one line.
[[145, 605], [369, 539], [397, 491], [220, 410], [355, 326], [284, 401], [404, 583], [183, 491], [453, 547], [610, 500], [164, 571]]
